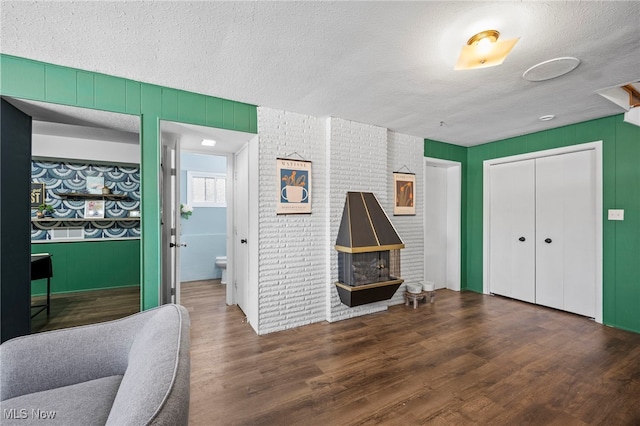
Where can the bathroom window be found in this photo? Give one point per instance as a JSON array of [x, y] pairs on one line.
[[206, 189]]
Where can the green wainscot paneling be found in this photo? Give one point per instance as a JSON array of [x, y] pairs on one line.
[[624, 267], [90, 265], [444, 151], [40, 81]]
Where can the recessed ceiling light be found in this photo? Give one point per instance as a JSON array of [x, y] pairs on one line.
[[208, 142], [551, 69], [548, 117]]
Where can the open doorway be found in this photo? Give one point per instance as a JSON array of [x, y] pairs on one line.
[[94, 253], [442, 194], [200, 217]]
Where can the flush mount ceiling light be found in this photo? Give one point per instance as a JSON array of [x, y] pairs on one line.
[[208, 142], [484, 50], [548, 117]]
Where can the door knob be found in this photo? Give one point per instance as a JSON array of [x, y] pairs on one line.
[[177, 245], [243, 241], [522, 239], [548, 241]]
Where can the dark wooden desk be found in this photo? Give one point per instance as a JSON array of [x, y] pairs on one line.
[[41, 267]]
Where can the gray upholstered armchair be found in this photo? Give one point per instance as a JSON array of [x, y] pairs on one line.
[[131, 371]]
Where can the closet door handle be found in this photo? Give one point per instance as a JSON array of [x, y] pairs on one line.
[[523, 239], [548, 241]]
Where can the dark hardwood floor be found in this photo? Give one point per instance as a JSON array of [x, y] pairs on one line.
[[467, 359], [73, 309]]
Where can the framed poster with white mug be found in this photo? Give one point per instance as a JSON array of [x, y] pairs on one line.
[[294, 186]]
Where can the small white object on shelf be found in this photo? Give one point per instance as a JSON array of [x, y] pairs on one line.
[[94, 209]]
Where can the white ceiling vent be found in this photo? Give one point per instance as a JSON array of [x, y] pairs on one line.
[[551, 69]]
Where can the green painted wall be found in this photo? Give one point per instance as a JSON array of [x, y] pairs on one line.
[[82, 266], [621, 189], [28, 79]]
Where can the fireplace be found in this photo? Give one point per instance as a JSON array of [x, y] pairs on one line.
[[368, 252]]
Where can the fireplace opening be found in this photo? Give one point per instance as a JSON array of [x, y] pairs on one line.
[[363, 268]]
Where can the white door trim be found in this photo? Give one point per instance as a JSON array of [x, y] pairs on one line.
[[454, 218], [254, 235], [231, 205], [486, 196]]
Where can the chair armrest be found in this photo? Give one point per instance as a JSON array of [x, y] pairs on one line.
[[64, 357]]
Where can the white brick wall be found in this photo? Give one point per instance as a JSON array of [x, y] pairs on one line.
[[297, 261], [291, 264], [404, 150], [357, 159]]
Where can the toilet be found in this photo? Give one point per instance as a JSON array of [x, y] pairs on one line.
[[221, 262]]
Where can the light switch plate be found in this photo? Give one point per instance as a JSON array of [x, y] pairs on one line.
[[616, 214]]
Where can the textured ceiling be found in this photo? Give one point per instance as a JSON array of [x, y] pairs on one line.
[[384, 63], [191, 136], [81, 118]]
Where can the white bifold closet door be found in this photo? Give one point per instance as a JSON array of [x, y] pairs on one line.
[[565, 232], [512, 230], [542, 231]]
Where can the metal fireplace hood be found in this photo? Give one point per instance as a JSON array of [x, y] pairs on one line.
[[365, 227]]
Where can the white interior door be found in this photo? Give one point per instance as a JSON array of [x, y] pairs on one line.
[[241, 229], [512, 230], [170, 220], [565, 232]]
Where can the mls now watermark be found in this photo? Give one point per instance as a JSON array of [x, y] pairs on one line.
[[23, 413]]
